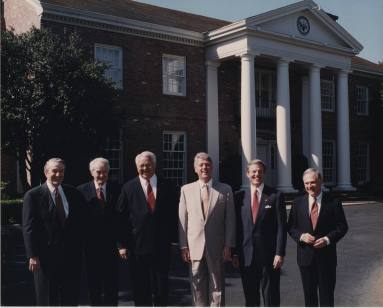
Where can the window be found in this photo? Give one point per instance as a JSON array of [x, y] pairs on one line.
[[113, 154], [265, 87], [174, 148], [329, 159], [361, 100], [173, 75], [111, 56], [327, 89], [362, 163]]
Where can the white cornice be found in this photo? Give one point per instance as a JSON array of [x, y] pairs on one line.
[[250, 23], [119, 24], [366, 69]]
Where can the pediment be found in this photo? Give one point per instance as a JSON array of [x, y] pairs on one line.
[[305, 21]]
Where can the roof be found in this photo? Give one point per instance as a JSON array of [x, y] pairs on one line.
[[361, 64], [144, 12]]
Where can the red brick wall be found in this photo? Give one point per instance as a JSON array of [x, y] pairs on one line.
[[147, 112]]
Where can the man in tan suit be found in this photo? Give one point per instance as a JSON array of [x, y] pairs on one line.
[[206, 232]]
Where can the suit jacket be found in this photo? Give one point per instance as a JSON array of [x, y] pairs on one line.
[[217, 231], [43, 235], [331, 223], [141, 231], [267, 237], [101, 223]]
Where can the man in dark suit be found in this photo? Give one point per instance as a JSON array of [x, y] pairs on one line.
[[146, 207], [261, 237], [317, 222], [52, 219], [101, 253]]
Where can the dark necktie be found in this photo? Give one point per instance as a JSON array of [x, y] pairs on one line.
[[255, 206], [151, 198], [314, 213], [59, 207], [100, 197]]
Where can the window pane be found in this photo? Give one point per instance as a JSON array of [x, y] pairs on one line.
[[111, 56], [173, 75], [174, 156]]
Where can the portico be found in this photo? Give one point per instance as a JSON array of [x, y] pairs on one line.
[[299, 33]]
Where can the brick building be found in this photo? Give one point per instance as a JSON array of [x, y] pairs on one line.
[[285, 86]]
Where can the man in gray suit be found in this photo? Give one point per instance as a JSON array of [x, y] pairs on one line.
[[206, 232]]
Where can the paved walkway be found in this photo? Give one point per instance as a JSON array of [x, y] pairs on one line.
[[359, 279]]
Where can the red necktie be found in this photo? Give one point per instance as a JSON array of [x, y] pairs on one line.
[[100, 197], [59, 207], [314, 213], [255, 206], [151, 198]]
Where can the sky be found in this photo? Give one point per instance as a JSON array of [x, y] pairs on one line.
[[363, 19]]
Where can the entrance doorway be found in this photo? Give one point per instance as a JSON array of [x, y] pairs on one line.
[[266, 151]]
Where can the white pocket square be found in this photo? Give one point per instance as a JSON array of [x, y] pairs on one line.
[[268, 207]]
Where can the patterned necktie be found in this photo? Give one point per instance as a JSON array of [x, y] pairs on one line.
[[59, 207], [314, 213], [205, 199], [100, 197], [255, 206], [151, 198]]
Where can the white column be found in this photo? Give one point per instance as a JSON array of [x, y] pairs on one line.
[[305, 116], [248, 115], [343, 134], [212, 119], [283, 127], [315, 159]]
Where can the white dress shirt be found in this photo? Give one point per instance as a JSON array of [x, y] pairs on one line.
[[103, 187], [153, 183], [63, 198], [259, 192]]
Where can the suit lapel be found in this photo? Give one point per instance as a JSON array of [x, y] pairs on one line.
[[196, 196], [247, 216], [141, 193], [322, 209], [306, 211], [213, 199], [47, 198]]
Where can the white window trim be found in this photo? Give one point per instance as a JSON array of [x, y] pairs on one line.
[[367, 102], [367, 163], [119, 84], [120, 156], [331, 83], [333, 182], [165, 90], [184, 151]]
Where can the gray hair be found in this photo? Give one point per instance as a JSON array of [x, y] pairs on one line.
[[97, 161], [203, 156], [256, 162], [312, 170], [52, 161], [146, 154]]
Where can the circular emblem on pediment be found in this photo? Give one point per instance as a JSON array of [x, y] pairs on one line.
[[303, 25]]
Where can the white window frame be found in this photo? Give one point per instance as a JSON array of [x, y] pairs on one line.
[[325, 155], [115, 172], [363, 165], [265, 107], [327, 93], [113, 69], [362, 100], [173, 83], [166, 168]]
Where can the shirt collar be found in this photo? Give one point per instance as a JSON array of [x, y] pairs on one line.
[[52, 188], [318, 198], [153, 181], [201, 183], [259, 188], [103, 186]]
